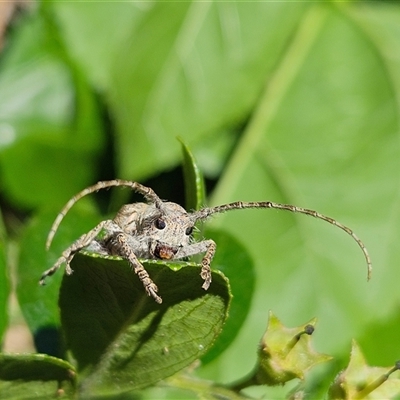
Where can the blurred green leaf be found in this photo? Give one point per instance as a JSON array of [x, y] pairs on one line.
[[201, 67], [324, 136], [49, 122], [125, 340], [385, 328], [183, 384], [39, 303], [189, 69], [91, 35], [234, 261], [167, 393], [25, 376], [4, 282]]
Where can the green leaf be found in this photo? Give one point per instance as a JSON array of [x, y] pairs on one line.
[[93, 48], [34, 376], [201, 69], [360, 381], [386, 329], [231, 258], [4, 283], [324, 137], [286, 353], [39, 303], [121, 337], [167, 393], [39, 131], [194, 181], [234, 261]]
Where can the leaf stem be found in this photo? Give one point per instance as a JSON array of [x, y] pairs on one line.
[[250, 380], [205, 389]]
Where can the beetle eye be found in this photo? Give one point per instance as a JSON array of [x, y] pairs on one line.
[[160, 224], [189, 230]]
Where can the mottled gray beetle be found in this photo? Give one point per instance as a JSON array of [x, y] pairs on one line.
[[158, 230]]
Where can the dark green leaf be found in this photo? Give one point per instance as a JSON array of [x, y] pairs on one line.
[[194, 181], [122, 337], [24, 376]]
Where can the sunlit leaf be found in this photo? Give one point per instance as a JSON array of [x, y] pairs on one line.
[[125, 340], [323, 137], [184, 83]]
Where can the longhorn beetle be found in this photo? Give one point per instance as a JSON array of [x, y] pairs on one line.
[[159, 230]]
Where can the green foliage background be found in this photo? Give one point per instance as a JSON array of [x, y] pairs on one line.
[[293, 102]]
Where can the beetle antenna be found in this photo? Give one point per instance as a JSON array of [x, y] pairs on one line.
[[204, 213], [147, 193]]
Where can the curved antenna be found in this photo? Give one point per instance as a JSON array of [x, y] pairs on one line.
[[206, 212], [147, 193]]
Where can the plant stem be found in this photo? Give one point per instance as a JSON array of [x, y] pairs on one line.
[[243, 383], [205, 389]]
